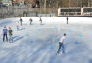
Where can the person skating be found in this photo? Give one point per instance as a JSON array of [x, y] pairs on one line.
[[21, 21], [18, 27], [67, 20], [40, 20], [10, 35], [30, 21], [5, 31], [61, 44]]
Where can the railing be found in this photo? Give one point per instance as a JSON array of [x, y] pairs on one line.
[[70, 14], [86, 11], [87, 14]]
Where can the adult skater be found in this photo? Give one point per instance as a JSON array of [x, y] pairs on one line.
[[67, 19], [10, 35], [5, 31], [40, 20], [30, 20], [61, 45], [21, 21]]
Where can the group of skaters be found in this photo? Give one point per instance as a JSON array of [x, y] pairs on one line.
[[9, 33], [30, 20], [40, 20]]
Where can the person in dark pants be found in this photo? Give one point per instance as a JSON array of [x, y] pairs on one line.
[[10, 35], [61, 45], [40, 20], [5, 31], [67, 20], [30, 21], [21, 21]]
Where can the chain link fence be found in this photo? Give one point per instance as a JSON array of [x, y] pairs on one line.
[[27, 12]]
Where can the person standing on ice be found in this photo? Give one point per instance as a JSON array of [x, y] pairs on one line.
[[5, 31], [21, 21], [30, 20], [61, 44], [40, 20], [67, 19], [18, 28], [10, 35]]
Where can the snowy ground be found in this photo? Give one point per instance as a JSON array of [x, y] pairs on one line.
[[38, 43]]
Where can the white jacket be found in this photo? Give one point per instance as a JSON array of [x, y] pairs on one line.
[[62, 39]]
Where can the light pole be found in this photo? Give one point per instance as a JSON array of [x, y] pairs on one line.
[[69, 3], [57, 4], [68, 6], [82, 4], [12, 2], [45, 5]]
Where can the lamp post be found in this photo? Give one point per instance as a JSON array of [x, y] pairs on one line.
[[69, 3], [82, 3], [12, 2], [45, 5]]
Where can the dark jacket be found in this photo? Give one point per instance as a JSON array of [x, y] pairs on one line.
[[10, 32]]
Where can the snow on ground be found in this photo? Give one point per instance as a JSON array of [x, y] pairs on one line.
[[39, 43]]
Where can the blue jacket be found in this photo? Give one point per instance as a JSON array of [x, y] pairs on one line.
[[5, 31]]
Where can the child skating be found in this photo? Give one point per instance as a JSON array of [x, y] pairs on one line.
[[10, 35], [61, 44]]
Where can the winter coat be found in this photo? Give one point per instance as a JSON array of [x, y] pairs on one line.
[[10, 32], [5, 31]]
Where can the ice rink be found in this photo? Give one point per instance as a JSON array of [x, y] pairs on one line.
[[37, 43]]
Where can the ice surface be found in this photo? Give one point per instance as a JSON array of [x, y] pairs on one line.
[[39, 43]]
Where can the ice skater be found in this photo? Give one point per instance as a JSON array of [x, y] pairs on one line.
[[67, 20], [21, 21], [40, 20], [18, 27], [61, 44], [10, 35], [30, 20], [5, 31]]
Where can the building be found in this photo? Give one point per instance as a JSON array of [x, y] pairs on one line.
[[7, 2], [53, 3]]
